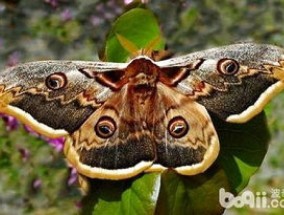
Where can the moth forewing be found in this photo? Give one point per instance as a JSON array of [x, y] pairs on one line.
[[259, 105], [240, 79]]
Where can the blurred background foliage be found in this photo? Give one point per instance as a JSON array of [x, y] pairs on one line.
[[33, 176]]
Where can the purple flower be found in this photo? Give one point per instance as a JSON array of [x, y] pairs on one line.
[[95, 20], [78, 204], [31, 131], [130, 1], [37, 183], [57, 143], [66, 15], [25, 154], [53, 3], [11, 123], [108, 15], [73, 176], [14, 58]]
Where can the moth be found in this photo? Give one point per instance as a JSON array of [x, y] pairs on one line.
[[122, 119]]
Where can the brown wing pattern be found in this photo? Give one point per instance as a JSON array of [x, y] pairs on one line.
[[238, 80], [53, 97], [146, 129], [122, 119]]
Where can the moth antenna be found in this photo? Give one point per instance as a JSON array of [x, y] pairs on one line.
[[128, 45], [147, 51], [161, 55]]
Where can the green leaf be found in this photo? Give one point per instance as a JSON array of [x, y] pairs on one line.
[[127, 197], [140, 27], [243, 147], [192, 195]]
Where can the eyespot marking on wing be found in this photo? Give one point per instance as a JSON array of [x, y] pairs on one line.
[[56, 81], [228, 66]]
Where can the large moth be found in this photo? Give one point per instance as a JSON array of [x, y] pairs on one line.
[[121, 119]]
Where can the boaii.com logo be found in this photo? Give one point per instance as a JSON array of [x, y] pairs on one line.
[[250, 199]]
